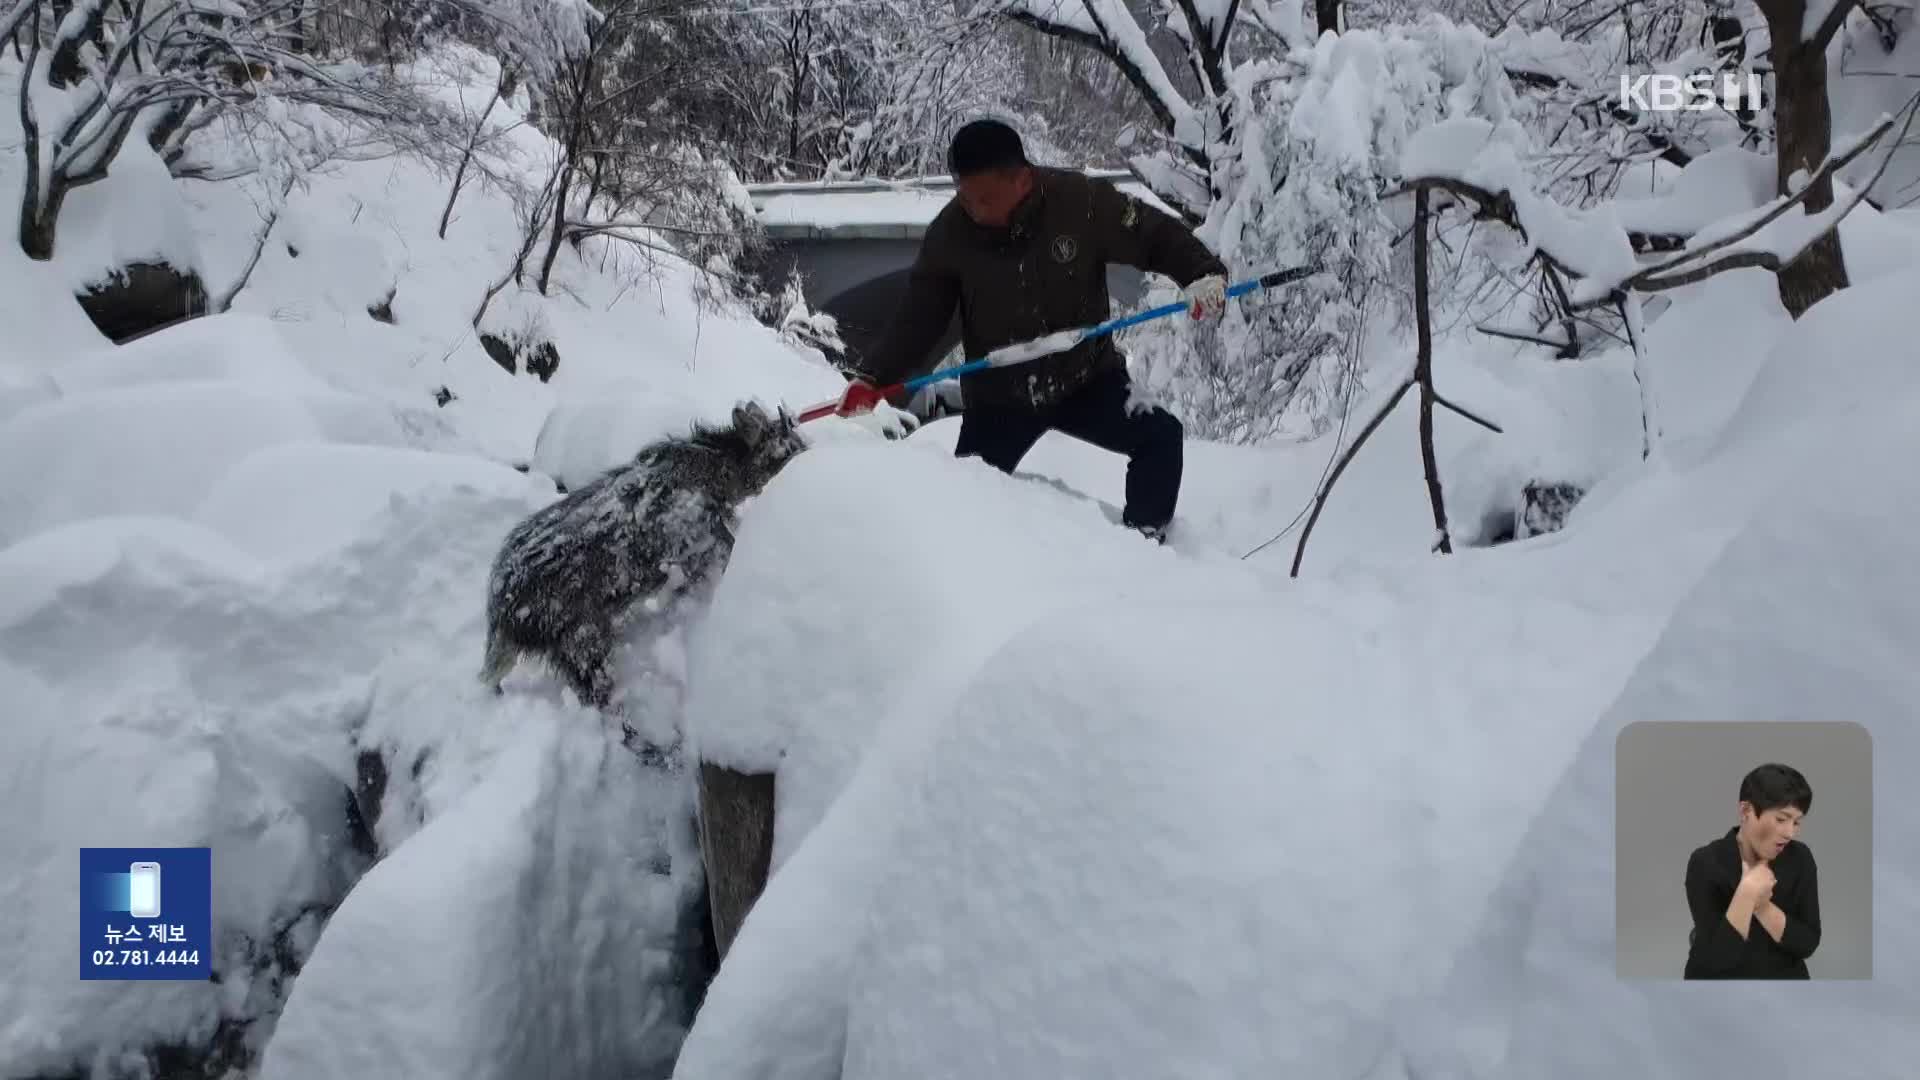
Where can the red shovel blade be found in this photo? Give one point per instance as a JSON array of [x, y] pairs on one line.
[[830, 408]]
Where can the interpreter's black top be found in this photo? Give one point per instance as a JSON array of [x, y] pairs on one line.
[[1716, 951]]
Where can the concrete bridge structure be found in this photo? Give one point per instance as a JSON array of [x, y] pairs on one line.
[[854, 241]]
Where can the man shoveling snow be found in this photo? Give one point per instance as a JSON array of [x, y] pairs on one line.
[[1022, 251]]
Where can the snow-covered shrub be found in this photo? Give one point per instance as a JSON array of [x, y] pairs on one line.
[[804, 327], [709, 218], [1317, 147]]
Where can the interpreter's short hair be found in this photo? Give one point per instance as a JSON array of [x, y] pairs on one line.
[[985, 145], [1772, 786]]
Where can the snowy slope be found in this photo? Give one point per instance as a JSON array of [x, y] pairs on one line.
[[1056, 803], [1809, 614], [1050, 799], [242, 563]]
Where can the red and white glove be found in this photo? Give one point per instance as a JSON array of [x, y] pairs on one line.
[[861, 397], [1206, 298]]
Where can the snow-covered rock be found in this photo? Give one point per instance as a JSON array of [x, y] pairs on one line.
[[111, 739], [1083, 808], [158, 448], [1808, 615], [339, 489], [534, 928]]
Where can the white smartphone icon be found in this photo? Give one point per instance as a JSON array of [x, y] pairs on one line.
[[143, 899]]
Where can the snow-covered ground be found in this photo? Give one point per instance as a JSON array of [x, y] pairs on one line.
[[1057, 804], [242, 572], [1054, 801]]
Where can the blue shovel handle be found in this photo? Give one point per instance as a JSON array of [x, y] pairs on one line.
[[1265, 281]]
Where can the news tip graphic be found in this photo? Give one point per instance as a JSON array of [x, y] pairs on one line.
[[146, 913]]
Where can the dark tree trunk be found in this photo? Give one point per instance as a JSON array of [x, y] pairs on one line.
[[37, 221], [736, 844], [559, 225], [466, 154], [1423, 371], [580, 103], [1326, 16], [1803, 137]]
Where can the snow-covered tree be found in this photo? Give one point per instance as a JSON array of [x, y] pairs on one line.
[[813, 89], [1178, 161], [98, 75], [1320, 134]]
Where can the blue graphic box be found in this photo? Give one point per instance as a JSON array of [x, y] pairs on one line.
[[146, 913]]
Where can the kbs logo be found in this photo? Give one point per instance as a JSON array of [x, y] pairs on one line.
[[1700, 92]]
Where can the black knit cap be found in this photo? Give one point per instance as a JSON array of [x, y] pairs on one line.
[[983, 145]]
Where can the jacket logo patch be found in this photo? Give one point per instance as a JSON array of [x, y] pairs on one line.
[[1064, 249]]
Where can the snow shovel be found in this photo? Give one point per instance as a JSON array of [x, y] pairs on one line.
[[1025, 351]]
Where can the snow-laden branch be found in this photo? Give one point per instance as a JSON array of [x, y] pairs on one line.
[[595, 228], [105, 70], [1461, 156], [17, 14], [1284, 23], [1108, 27]]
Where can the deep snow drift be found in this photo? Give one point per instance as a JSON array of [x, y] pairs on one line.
[[1054, 801], [1054, 804], [242, 571]]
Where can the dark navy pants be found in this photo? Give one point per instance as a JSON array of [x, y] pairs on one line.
[[1151, 440]]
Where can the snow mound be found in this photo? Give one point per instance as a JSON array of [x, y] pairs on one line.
[[1711, 186], [1040, 782], [159, 448], [342, 489], [1151, 882], [234, 582], [19, 391], [246, 348], [1807, 615], [231, 704], [909, 591], [136, 213], [527, 931], [112, 738], [153, 550], [1849, 355], [585, 437]]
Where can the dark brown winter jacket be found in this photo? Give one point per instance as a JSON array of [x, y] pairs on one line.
[[1045, 272]]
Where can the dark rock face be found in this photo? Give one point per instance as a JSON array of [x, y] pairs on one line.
[[364, 802], [543, 360], [539, 358], [502, 353], [143, 297]]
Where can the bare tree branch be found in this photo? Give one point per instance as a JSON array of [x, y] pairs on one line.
[[1326, 487], [1515, 335], [1441, 400], [1423, 372], [1692, 265]]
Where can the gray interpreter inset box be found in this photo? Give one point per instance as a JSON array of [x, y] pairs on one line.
[[1761, 825]]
